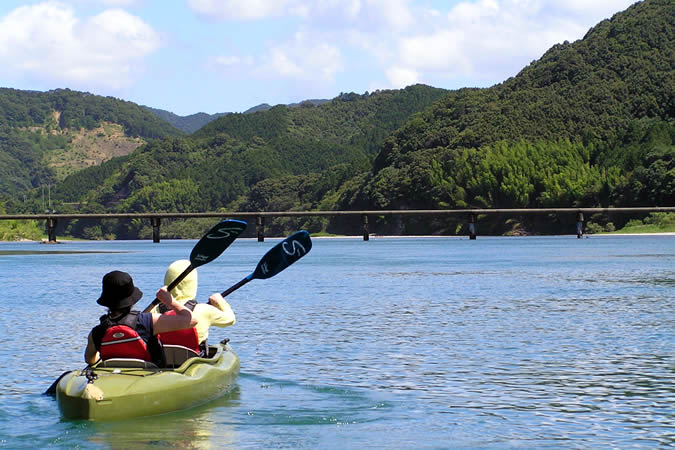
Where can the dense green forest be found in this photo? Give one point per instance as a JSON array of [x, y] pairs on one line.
[[78, 110], [194, 122], [589, 124], [31, 125], [220, 164]]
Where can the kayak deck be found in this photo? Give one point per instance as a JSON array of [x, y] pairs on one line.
[[123, 389]]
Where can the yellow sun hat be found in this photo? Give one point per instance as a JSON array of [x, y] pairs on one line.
[[186, 289]]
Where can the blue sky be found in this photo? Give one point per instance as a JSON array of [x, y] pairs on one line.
[[189, 56]]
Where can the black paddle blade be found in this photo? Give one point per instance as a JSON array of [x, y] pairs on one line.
[[216, 241], [207, 249], [51, 390], [283, 255]]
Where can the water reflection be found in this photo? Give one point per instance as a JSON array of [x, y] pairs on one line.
[[197, 428]]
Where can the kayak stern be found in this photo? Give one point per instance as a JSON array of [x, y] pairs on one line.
[[107, 393]]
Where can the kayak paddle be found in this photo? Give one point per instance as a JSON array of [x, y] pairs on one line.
[[208, 248], [51, 390], [278, 258]]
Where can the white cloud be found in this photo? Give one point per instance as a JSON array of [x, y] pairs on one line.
[[47, 40], [365, 15], [491, 40], [303, 58], [114, 3], [280, 63], [378, 48], [120, 3], [438, 51], [400, 77], [597, 9], [481, 40], [241, 9], [360, 14]]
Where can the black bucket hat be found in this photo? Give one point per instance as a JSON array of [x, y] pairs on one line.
[[119, 291]]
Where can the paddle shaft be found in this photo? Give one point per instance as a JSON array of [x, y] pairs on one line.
[[235, 287], [173, 284]]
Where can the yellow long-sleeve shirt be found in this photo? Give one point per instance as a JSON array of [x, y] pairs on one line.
[[218, 314], [208, 315]]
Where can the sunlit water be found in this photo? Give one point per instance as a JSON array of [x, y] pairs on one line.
[[392, 343]]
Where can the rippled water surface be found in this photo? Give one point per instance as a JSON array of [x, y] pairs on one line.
[[393, 343]]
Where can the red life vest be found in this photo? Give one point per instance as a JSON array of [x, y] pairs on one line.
[[119, 339], [187, 337]]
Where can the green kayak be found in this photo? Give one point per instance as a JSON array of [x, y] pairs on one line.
[[124, 388]]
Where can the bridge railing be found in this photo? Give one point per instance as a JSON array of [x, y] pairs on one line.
[[260, 216]]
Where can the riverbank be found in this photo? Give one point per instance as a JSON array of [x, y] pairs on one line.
[[372, 236]]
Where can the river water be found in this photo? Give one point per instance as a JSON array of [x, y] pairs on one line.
[[536, 342]]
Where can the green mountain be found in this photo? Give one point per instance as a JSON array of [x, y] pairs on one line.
[[45, 136], [588, 124], [266, 106], [194, 122], [257, 108], [190, 123], [216, 166]]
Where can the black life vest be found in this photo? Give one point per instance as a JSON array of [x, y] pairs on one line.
[[118, 338]]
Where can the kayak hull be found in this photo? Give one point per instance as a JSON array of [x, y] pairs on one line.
[[114, 393]]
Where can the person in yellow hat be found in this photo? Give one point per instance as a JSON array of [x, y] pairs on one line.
[[217, 312]]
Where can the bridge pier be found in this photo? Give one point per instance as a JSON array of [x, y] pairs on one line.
[[580, 225], [51, 230], [364, 221], [260, 227], [155, 221], [472, 227]]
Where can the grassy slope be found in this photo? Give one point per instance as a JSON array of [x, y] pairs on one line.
[[16, 230], [655, 223]]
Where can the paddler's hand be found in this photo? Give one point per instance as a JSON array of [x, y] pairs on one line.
[[217, 300], [163, 323], [164, 296]]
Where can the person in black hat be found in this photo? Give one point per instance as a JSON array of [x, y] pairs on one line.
[[119, 295]]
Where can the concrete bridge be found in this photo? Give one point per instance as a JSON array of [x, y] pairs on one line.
[[471, 216]]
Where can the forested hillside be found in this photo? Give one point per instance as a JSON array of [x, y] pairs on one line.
[[217, 166], [194, 122], [589, 124], [46, 135], [190, 123]]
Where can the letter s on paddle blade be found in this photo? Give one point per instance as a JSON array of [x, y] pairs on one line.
[[283, 255], [215, 241], [224, 232]]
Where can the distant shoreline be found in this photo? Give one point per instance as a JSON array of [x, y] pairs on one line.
[[376, 236], [663, 233]]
